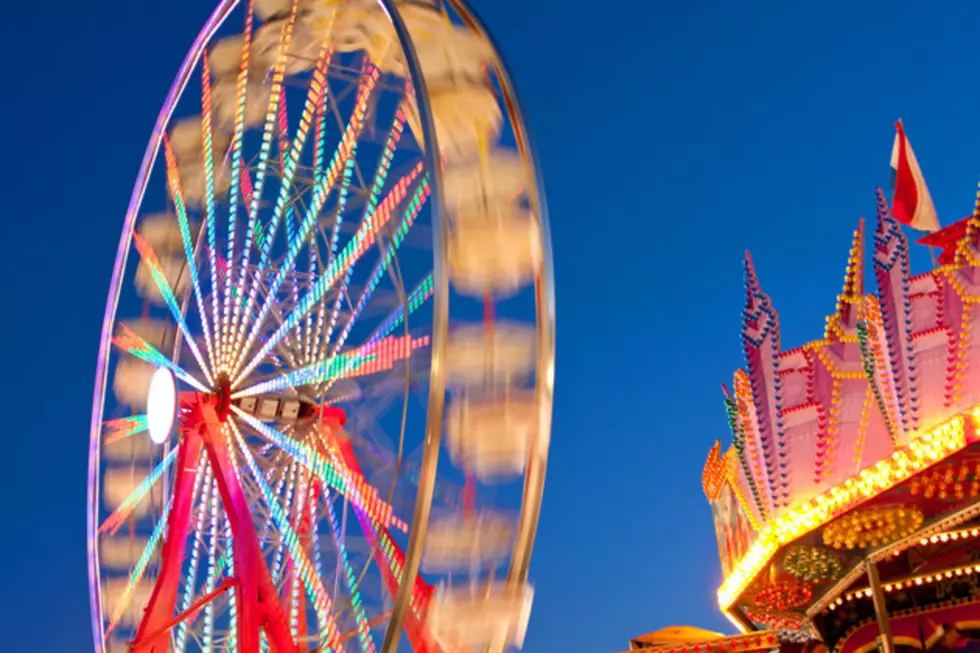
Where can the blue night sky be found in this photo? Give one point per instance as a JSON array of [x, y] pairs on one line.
[[672, 135]]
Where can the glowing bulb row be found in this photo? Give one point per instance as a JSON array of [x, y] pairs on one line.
[[313, 583], [363, 495], [342, 155], [930, 447], [119, 515], [149, 257], [176, 194]]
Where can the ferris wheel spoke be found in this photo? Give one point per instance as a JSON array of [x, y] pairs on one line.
[[177, 196], [130, 342], [275, 95], [344, 153], [363, 239], [380, 177], [190, 580], [314, 586], [366, 497], [119, 429], [388, 554], [210, 216], [415, 206], [370, 358], [415, 299], [120, 514], [136, 575], [238, 173], [314, 97], [343, 564], [149, 257]]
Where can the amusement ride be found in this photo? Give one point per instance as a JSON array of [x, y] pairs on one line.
[[847, 507], [322, 407]]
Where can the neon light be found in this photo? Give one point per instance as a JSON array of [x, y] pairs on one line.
[[137, 574], [176, 193], [120, 514], [363, 239], [122, 428], [153, 263], [237, 175], [344, 151], [326, 472], [278, 71], [314, 584], [132, 343]]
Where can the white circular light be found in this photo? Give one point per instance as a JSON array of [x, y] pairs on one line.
[[161, 405]]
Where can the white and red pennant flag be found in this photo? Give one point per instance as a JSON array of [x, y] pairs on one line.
[[911, 202]]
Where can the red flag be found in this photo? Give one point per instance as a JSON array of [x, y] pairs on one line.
[[911, 202]]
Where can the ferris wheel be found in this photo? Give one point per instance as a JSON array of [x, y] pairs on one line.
[[322, 407]]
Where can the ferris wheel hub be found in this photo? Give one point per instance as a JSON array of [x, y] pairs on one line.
[[222, 394]]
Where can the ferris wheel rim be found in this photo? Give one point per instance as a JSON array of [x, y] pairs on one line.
[[531, 500], [545, 299], [183, 76]]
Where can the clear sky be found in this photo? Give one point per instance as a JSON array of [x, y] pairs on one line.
[[672, 135]]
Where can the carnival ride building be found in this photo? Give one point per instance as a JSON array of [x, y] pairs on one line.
[[847, 507]]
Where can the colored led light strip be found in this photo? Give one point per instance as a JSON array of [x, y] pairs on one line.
[[415, 206], [344, 152], [368, 359], [363, 630], [230, 564], [313, 583], [377, 185], [265, 149], [237, 175], [132, 343], [176, 193], [119, 515], [203, 478], [370, 527], [306, 456], [314, 97], [122, 428], [415, 299], [211, 580], [363, 239], [141, 564], [153, 263], [210, 214]]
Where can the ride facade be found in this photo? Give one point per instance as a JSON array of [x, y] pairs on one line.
[[322, 407], [847, 507]]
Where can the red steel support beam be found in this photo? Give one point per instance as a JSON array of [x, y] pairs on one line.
[[333, 419], [257, 603]]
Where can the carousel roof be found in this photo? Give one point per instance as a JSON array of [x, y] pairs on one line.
[[856, 445]]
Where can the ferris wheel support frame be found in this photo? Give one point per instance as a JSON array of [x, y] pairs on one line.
[[256, 598]]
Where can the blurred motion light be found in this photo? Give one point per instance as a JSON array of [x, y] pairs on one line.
[[161, 405]]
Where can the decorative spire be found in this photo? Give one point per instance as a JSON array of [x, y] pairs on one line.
[[753, 290], [760, 344], [849, 301]]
